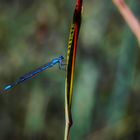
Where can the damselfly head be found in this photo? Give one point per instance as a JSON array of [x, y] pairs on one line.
[[61, 57]]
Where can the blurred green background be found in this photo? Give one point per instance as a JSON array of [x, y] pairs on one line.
[[106, 101]]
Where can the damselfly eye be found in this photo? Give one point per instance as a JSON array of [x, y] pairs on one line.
[[62, 57]]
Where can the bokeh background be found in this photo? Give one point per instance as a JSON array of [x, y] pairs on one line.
[[106, 101]]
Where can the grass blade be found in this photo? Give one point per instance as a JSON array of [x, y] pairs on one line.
[[71, 57]]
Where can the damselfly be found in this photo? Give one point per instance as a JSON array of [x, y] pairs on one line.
[[34, 73]]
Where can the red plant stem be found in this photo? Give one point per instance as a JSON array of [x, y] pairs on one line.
[[129, 17]]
